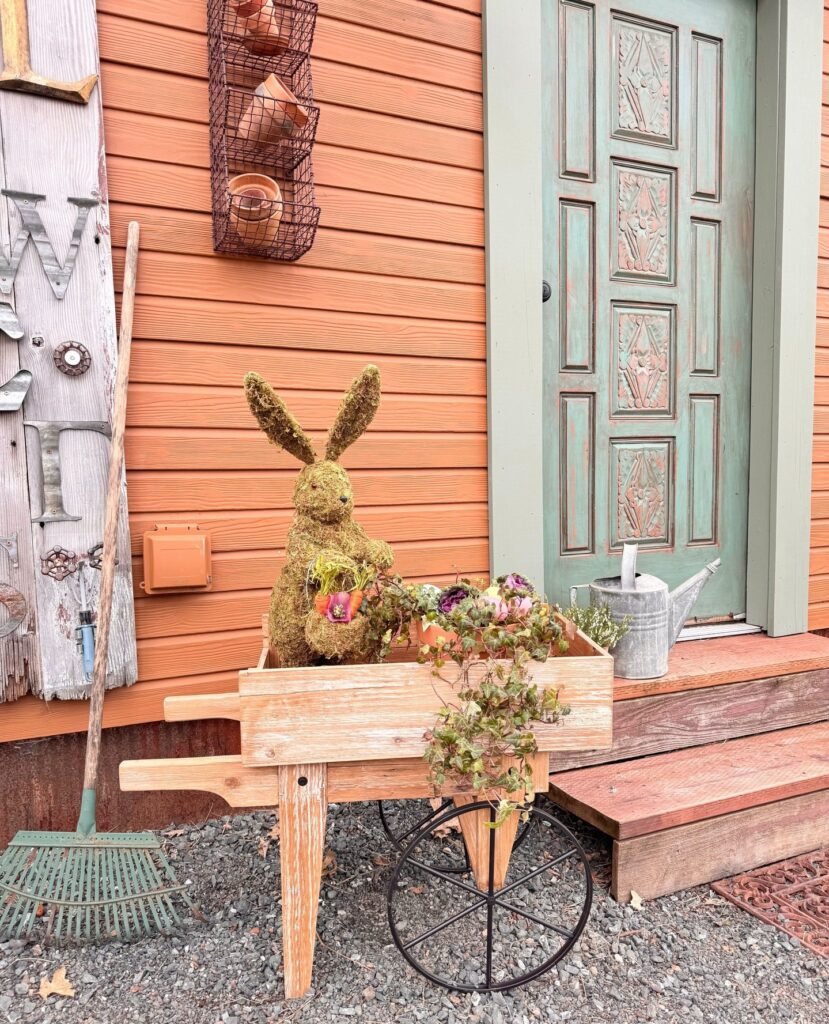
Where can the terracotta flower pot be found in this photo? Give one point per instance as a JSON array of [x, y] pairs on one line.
[[265, 25], [274, 113], [430, 634], [255, 208]]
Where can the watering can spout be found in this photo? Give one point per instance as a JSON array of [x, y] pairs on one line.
[[683, 597]]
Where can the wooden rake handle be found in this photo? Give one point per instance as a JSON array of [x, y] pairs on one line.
[[113, 501]]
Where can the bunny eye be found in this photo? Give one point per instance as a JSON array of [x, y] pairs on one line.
[[314, 487]]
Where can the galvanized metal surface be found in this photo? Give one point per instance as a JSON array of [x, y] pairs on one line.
[[9, 545], [655, 615], [13, 392], [50, 477]]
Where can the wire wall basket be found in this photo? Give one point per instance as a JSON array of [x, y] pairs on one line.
[[263, 123]]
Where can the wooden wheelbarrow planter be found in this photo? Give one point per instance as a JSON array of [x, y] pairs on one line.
[[310, 736]]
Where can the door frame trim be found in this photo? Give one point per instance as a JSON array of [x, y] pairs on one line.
[[787, 190]]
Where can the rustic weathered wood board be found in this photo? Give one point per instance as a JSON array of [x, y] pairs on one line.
[[55, 149], [241, 786], [652, 725], [346, 713], [703, 851], [643, 796]]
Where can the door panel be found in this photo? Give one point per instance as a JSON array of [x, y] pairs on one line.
[[648, 217]]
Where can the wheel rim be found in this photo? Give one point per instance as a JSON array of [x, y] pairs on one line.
[[494, 921]]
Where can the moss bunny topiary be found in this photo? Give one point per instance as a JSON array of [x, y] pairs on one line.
[[323, 524]]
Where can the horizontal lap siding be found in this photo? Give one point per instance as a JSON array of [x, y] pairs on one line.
[[396, 276], [819, 562]]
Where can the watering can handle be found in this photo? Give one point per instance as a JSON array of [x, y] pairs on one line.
[[574, 593], [629, 552]]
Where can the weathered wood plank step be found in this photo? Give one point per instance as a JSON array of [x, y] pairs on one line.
[[695, 664], [649, 794]]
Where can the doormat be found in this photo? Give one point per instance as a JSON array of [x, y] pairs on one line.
[[793, 895]]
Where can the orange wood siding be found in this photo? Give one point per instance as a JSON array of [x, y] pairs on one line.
[[819, 561], [396, 277]]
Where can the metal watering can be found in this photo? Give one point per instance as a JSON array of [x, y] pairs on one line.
[[656, 614]]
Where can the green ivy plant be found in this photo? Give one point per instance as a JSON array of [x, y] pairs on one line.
[[595, 622], [490, 640]]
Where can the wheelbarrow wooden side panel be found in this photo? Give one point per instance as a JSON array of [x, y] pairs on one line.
[[346, 713]]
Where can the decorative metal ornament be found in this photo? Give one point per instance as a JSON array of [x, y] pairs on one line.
[[58, 274], [50, 478], [9, 545], [59, 563], [72, 358], [15, 604], [14, 391], [9, 324], [94, 556]]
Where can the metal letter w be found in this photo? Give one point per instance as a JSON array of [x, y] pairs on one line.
[[57, 273]]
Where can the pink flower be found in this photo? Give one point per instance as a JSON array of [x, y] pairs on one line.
[[500, 608], [339, 607], [520, 606]]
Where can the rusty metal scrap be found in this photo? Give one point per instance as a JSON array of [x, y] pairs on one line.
[[792, 895]]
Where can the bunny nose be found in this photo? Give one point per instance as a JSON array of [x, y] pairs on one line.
[[344, 499]]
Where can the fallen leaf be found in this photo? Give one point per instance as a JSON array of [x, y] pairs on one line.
[[416, 890], [635, 900], [254, 931], [174, 832], [58, 985], [264, 846], [380, 860], [329, 864], [274, 832]]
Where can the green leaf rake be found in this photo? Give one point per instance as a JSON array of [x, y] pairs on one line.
[[88, 885]]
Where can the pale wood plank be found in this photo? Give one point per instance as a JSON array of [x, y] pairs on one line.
[[678, 858], [63, 157], [303, 805], [202, 705], [478, 835], [341, 713], [637, 797]]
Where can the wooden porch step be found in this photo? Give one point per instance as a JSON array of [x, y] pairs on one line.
[[695, 815]]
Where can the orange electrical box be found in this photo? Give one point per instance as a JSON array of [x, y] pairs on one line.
[[176, 559]]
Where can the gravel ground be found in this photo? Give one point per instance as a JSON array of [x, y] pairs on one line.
[[691, 957]]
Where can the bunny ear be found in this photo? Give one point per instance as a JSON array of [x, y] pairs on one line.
[[355, 413], [273, 417]]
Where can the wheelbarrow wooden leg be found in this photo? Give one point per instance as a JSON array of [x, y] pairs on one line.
[[302, 813]]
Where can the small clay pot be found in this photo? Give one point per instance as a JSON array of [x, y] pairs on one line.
[[274, 113], [430, 634], [267, 28], [256, 208], [246, 8]]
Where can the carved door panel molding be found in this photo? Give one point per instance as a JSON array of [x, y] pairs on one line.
[[648, 179]]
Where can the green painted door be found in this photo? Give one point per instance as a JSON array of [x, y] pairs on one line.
[[648, 218]]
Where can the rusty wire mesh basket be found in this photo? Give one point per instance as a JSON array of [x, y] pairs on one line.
[[262, 127]]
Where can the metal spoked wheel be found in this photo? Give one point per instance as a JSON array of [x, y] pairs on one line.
[[473, 939]]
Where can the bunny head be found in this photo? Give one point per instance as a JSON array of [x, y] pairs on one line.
[[323, 491]]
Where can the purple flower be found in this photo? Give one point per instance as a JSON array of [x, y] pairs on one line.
[[451, 597], [339, 607], [515, 581]]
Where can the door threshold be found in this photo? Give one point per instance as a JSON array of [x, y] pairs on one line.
[[709, 632]]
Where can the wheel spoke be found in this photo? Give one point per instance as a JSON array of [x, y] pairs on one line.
[[532, 917], [536, 871], [446, 877], [432, 814], [445, 924]]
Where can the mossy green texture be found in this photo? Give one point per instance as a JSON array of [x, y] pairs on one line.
[[323, 524]]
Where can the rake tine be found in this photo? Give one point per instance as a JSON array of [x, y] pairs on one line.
[[154, 902], [15, 860], [97, 893], [165, 902], [76, 914], [64, 892], [139, 885]]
